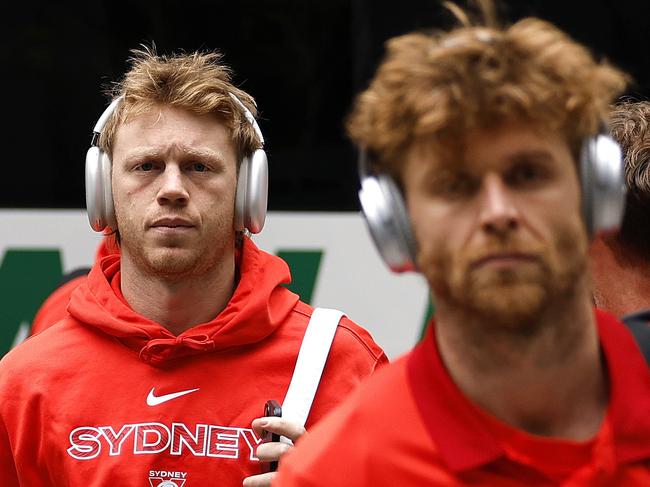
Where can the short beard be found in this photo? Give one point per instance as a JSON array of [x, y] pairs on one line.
[[511, 301], [172, 267], [175, 265], [508, 299]]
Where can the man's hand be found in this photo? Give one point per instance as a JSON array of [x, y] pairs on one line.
[[269, 452]]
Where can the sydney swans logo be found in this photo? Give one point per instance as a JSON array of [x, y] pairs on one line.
[[164, 478]]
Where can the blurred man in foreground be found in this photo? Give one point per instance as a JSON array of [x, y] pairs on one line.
[[491, 135]]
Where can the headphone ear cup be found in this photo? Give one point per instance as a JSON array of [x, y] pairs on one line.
[[240, 195], [387, 219], [603, 184], [251, 199], [258, 191], [99, 195], [109, 208]]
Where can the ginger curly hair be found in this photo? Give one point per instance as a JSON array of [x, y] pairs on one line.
[[438, 85], [196, 81]]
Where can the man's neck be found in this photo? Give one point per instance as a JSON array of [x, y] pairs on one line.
[[182, 303], [621, 275], [550, 383]]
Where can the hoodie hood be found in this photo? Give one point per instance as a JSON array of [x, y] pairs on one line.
[[258, 306]]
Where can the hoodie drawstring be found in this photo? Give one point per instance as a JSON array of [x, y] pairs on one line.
[[160, 349]]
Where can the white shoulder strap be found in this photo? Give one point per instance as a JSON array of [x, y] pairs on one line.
[[310, 364]]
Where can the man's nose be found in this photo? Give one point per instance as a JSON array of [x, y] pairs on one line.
[[173, 188], [498, 214]]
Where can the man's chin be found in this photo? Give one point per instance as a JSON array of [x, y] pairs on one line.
[[515, 306], [172, 262], [506, 298]]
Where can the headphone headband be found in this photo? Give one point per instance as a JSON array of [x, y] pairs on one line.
[[110, 109], [249, 116], [107, 114]]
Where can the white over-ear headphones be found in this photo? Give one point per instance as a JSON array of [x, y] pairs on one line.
[[386, 216], [603, 201], [601, 179], [252, 183]]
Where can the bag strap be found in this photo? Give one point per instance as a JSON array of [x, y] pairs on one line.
[[311, 360], [639, 324]]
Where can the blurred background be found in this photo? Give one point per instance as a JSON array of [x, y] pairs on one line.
[[303, 60]]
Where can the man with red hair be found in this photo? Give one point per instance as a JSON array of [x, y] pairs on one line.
[[483, 161], [160, 371]]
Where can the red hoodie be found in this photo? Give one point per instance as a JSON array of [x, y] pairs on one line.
[[107, 397]]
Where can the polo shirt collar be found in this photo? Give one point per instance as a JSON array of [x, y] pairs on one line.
[[465, 441]]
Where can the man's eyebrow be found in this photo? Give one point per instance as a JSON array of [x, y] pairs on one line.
[[536, 155], [205, 154], [437, 173]]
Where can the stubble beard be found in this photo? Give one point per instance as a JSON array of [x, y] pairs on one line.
[[173, 264], [175, 261]]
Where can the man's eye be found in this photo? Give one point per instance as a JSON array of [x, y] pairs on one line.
[[460, 186], [454, 187], [198, 167], [526, 174], [146, 166]]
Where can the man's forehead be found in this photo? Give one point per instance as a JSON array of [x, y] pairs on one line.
[[153, 115], [478, 150], [142, 121]]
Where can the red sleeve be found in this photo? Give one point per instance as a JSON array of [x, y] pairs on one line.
[[8, 474], [353, 358], [323, 457]]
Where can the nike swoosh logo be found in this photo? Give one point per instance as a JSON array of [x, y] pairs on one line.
[[153, 400]]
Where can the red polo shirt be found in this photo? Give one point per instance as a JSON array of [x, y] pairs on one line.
[[411, 425]]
